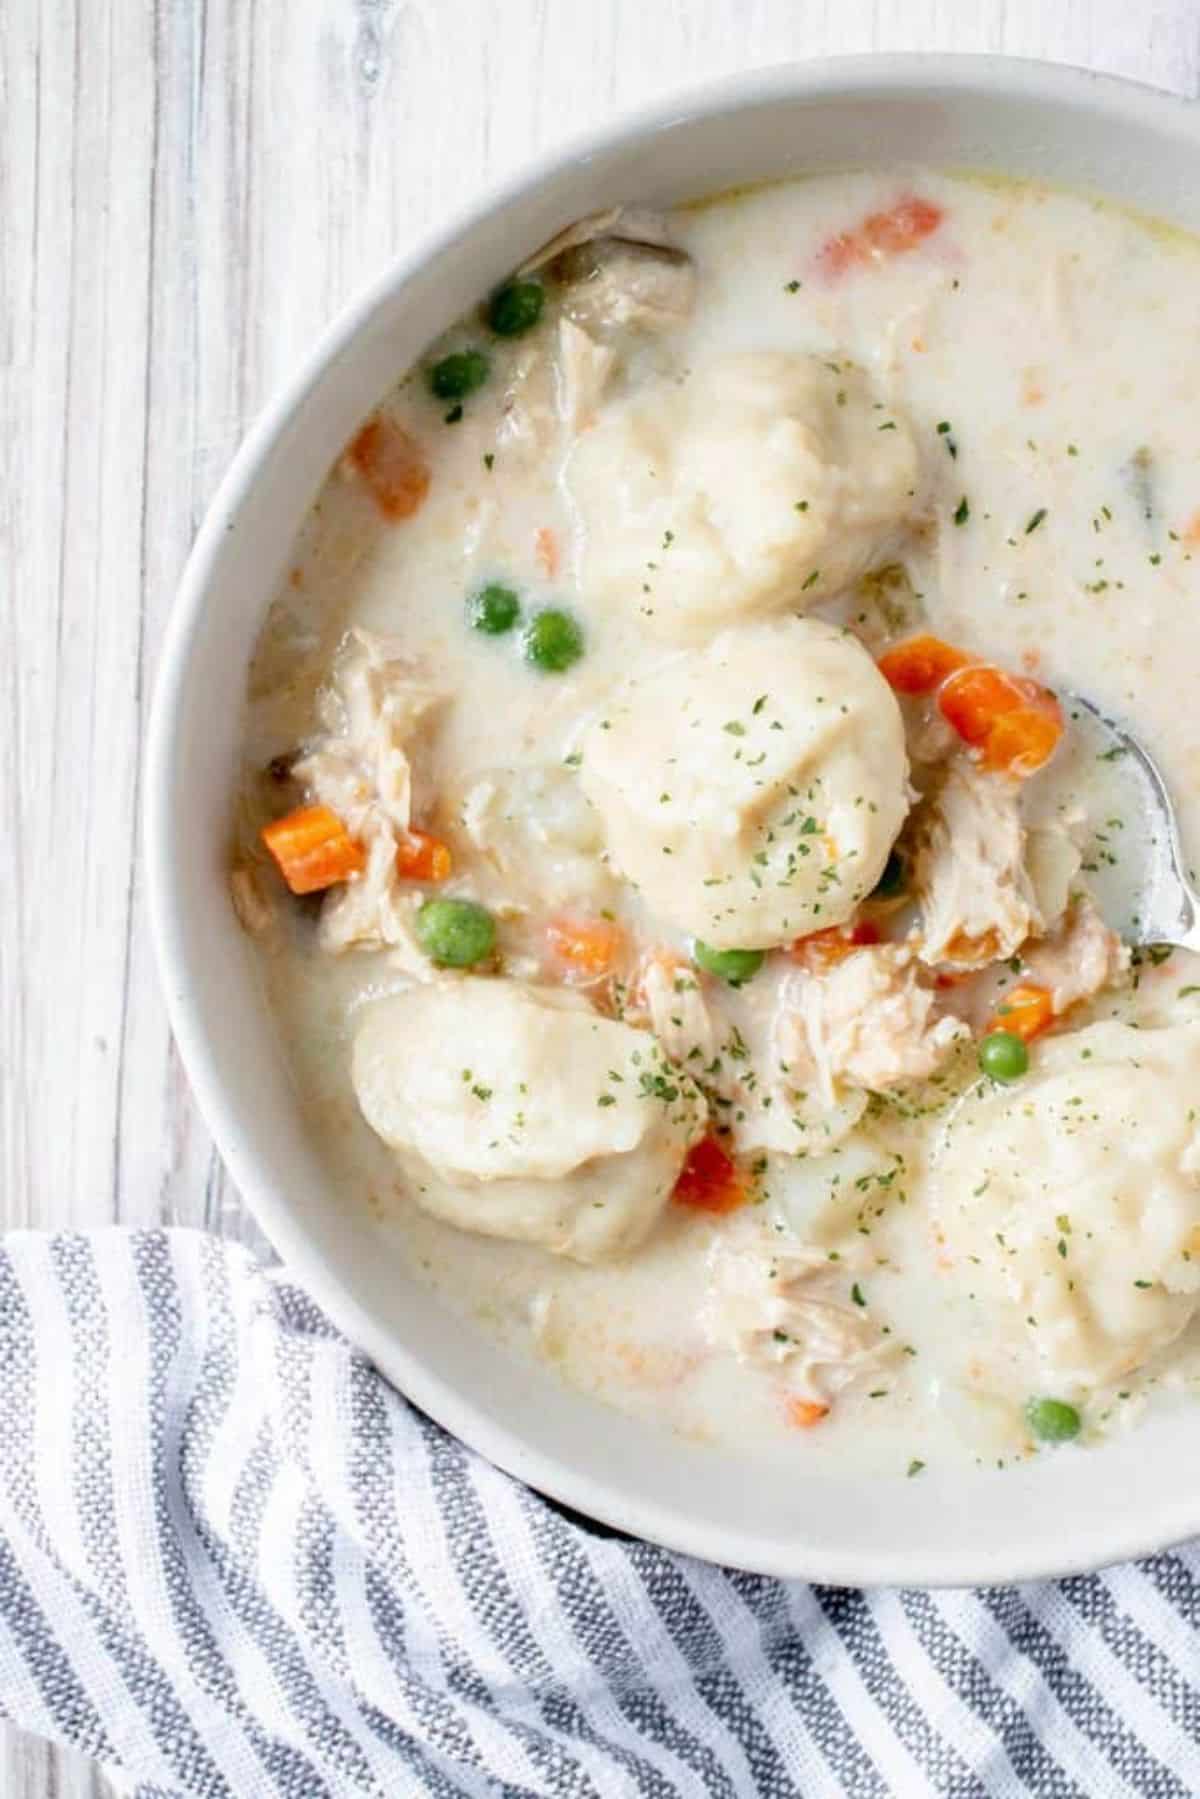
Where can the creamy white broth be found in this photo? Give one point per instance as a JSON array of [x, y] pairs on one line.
[[1056, 339]]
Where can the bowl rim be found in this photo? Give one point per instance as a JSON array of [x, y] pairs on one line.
[[908, 74]]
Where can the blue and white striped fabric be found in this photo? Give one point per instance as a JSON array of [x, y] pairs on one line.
[[234, 1564]]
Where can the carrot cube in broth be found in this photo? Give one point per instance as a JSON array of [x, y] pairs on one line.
[[709, 1180], [894, 232], [1015, 722], [804, 1413], [920, 664], [1022, 741], [392, 466], [908, 223], [587, 949], [1026, 1011], [313, 849], [422, 857]]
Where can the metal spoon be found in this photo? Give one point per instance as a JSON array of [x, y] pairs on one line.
[[1168, 905]]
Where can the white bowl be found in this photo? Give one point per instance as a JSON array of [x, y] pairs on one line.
[[1058, 1514]]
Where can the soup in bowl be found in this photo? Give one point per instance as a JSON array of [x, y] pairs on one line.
[[683, 912]]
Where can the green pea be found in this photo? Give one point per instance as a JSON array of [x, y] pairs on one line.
[[459, 374], [1053, 1420], [516, 308], [553, 640], [1003, 1056], [456, 933], [494, 609], [893, 879], [732, 965]]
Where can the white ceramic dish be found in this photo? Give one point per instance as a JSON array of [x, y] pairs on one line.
[[1061, 1513]]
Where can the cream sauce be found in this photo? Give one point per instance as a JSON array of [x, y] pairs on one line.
[[1044, 351]]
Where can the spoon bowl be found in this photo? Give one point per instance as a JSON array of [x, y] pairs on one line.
[[1168, 907]]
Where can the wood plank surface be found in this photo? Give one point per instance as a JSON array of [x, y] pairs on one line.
[[188, 190]]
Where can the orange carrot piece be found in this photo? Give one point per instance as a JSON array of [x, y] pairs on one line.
[[1014, 721], [587, 948], [422, 857], [881, 234], [709, 1181], [1027, 1011], [974, 698], [1024, 740], [920, 664], [313, 849], [804, 1413], [393, 467], [820, 950], [546, 549], [907, 224]]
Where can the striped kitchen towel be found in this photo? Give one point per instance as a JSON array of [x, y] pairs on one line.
[[235, 1564]]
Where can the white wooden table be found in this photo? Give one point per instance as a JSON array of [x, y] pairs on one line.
[[188, 190]]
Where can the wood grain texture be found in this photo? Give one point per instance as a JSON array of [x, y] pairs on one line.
[[188, 190]]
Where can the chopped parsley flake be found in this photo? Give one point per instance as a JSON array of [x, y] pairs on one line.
[[962, 511]]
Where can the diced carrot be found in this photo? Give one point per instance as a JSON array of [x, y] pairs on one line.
[[1014, 721], [546, 548], [313, 849], [907, 224], [587, 948], [422, 857], [823, 949], [393, 467], [920, 664], [804, 1413], [1027, 1011], [881, 234], [1191, 529], [973, 698], [1023, 741], [841, 252], [709, 1181]]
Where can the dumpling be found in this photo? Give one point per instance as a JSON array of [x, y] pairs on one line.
[[751, 790], [758, 481], [1071, 1203], [518, 1115]]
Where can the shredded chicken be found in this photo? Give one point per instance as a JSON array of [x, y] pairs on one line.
[[362, 770], [255, 912], [756, 1102], [375, 912], [770, 1301], [1078, 959], [584, 366], [977, 901], [866, 1022], [628, 224], [362, 767], [670, 995], [619, 268]]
